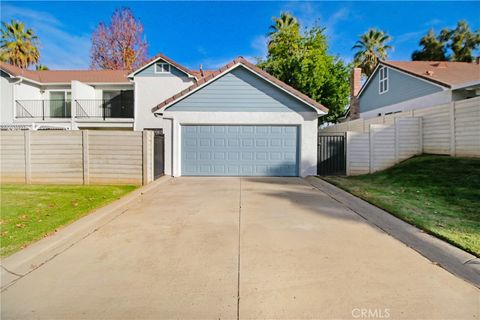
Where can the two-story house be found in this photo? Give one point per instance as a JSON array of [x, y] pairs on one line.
[[397, 86], [90, 99], [234, 121]]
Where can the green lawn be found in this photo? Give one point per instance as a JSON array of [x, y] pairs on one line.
[[438, 194], [30, 212]]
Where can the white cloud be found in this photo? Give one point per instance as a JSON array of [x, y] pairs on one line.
[[259, 45], [408, 36], [58, 48], [310, 14], [432, 22]]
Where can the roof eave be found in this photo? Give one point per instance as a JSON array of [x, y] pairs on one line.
[[465, 85], [166, 59], [320, 109]]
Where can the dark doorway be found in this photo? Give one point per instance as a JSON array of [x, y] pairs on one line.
[[158, 154], [332, 155]]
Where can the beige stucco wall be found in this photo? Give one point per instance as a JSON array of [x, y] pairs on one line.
[[150, 91]]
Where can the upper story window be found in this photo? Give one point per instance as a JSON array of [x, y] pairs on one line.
[[383, 80], [162, 67]]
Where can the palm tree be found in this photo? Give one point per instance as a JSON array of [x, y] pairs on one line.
[[17, 45], [370, 49], [434, 48], [41, 67], [286, 20]]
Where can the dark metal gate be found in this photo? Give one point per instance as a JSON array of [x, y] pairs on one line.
[[331, 155], [158, 154]]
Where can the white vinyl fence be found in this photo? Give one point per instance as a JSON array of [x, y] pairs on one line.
[[378, 143], [76, 157]]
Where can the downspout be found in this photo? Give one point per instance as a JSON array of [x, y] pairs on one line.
[[14, 96]]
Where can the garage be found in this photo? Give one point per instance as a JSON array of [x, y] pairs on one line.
[[239, 150], [240, 121]]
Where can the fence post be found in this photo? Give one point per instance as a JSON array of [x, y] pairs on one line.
[[397, 137], [452, 129], [28, 168], [347, 156], [144, 157], [372, 145], [86, 162], [420, 134]]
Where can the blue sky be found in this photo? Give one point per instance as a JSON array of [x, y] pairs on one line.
[[212, 33]]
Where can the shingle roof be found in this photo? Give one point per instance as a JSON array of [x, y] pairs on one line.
[[441, 72], [64, 76], [240, 60]]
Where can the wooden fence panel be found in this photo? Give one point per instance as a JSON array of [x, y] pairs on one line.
[[436, 128], [115, 157], [408, 137], [356, 125], [467, 128], [76, 157], [12, 157], [358, 153], [56, 157], [382, 144]]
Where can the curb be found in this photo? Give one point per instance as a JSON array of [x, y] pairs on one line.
[[35, 255], [456, 261]]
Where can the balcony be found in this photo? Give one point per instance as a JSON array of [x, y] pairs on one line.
[[104, 109], [43, 109]]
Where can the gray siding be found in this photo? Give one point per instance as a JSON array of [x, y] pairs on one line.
[[237, 91], [401, 87], [150, 72]]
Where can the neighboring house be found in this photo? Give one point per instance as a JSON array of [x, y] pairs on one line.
[[397, 86], [74, 99], [236, 121]]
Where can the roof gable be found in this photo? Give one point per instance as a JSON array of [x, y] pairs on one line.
[[240, 61], [375, 74], [445, 74], [166, 59], [240, 91]]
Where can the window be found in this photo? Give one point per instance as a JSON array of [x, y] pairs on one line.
[[60, 104], [383, 80], [162, 67]]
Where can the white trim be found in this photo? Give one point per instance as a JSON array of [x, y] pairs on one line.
[[384, 80], [443, 87], [466, 84], [155, 70], [320, 112]]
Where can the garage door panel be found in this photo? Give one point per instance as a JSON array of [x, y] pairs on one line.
[[240, 150]]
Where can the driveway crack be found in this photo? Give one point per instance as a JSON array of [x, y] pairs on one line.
[[11, 272], [239, 247]]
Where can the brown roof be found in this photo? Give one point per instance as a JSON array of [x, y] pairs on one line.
[[441, 72], [202, 73], [63, 76], [170, 61], [240, 60]]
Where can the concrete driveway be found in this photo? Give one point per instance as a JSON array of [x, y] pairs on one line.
[[251, 248]]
